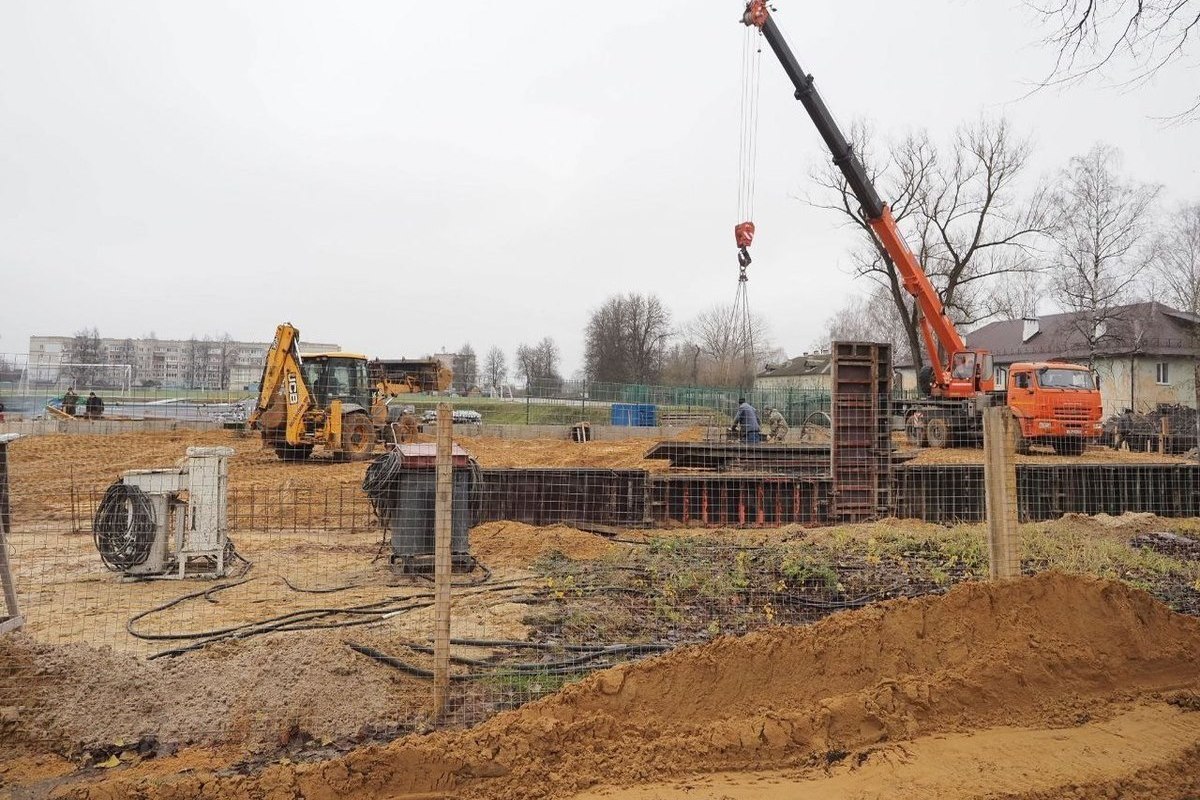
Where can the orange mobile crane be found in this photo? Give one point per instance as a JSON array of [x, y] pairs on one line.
[[1057, 404]]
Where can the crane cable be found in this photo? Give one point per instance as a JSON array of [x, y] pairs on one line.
[[741, 327], [748, 142]]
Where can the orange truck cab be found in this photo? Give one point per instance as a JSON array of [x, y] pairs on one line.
[[1056, 404]]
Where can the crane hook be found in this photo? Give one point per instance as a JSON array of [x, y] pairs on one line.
[[743, 234]]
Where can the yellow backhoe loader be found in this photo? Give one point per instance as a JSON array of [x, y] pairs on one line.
[[323, 400]]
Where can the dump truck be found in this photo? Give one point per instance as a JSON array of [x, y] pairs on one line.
[[1056, 404], [394, 377]]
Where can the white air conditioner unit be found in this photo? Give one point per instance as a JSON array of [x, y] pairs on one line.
[[168, 523]]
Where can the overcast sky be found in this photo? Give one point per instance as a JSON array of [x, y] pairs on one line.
[[398, 177]]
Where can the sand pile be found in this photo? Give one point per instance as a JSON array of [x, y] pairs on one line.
[[603, 454], [515, 544], [1039, 651]]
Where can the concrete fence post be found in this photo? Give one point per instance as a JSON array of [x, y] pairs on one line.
[[10, 617], [1000, 492]]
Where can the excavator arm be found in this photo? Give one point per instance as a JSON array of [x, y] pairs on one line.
[[283, 396], [937, 329]]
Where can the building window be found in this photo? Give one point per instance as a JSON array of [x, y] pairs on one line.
[[1162, 373]]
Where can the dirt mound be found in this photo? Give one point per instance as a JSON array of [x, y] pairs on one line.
[[1032, 652], [73, 699], [518, 545]]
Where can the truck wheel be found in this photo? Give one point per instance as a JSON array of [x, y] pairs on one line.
[[937, 432], [1020, 443], [913, 431], [1070, 446], [293, 452], [358, 437]]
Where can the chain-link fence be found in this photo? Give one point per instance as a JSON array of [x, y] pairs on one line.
[[60, 393], [176, 594]]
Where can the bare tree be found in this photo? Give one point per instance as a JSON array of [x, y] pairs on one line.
[[1176, 270], [127, 354], [1176, 264], [1102, 235], [868, 318], [495, 368], [1133, 39], [626, 339], [227, 348], [1022, 296], [606, 357], [85, 348], [730, 352], [961, 210], [681, 364], [465, 367], [203, 362], [537, 365]]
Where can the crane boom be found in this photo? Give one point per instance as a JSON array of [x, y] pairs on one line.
[[937, 329]]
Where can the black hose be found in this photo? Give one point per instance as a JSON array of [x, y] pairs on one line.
[[323, 590], [380, 485], [395, 663], [303, 619], [570, 667], [475, 494], [124, 526], [588, 655]]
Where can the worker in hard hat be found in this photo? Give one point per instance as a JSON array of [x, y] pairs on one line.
[[745, 423], [776, 424]]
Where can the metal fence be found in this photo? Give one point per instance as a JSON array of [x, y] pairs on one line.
[[317, 639]]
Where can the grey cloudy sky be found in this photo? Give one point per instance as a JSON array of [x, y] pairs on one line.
[[402, 176]]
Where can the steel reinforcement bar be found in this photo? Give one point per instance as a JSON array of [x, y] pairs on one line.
[[937, 493], [932, 493], [633, 498]]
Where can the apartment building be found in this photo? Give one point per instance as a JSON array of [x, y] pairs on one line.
[[55, 361]]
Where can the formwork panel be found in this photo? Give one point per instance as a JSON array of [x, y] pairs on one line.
[[860, 452]]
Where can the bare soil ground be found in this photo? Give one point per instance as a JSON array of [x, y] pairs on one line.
[[788, 676], [1051, 686]]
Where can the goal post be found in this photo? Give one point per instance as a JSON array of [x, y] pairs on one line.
[[63, 375]]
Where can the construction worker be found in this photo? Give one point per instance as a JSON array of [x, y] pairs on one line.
[[745, 423], [69, 401], [94, 406], [777, 424]]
